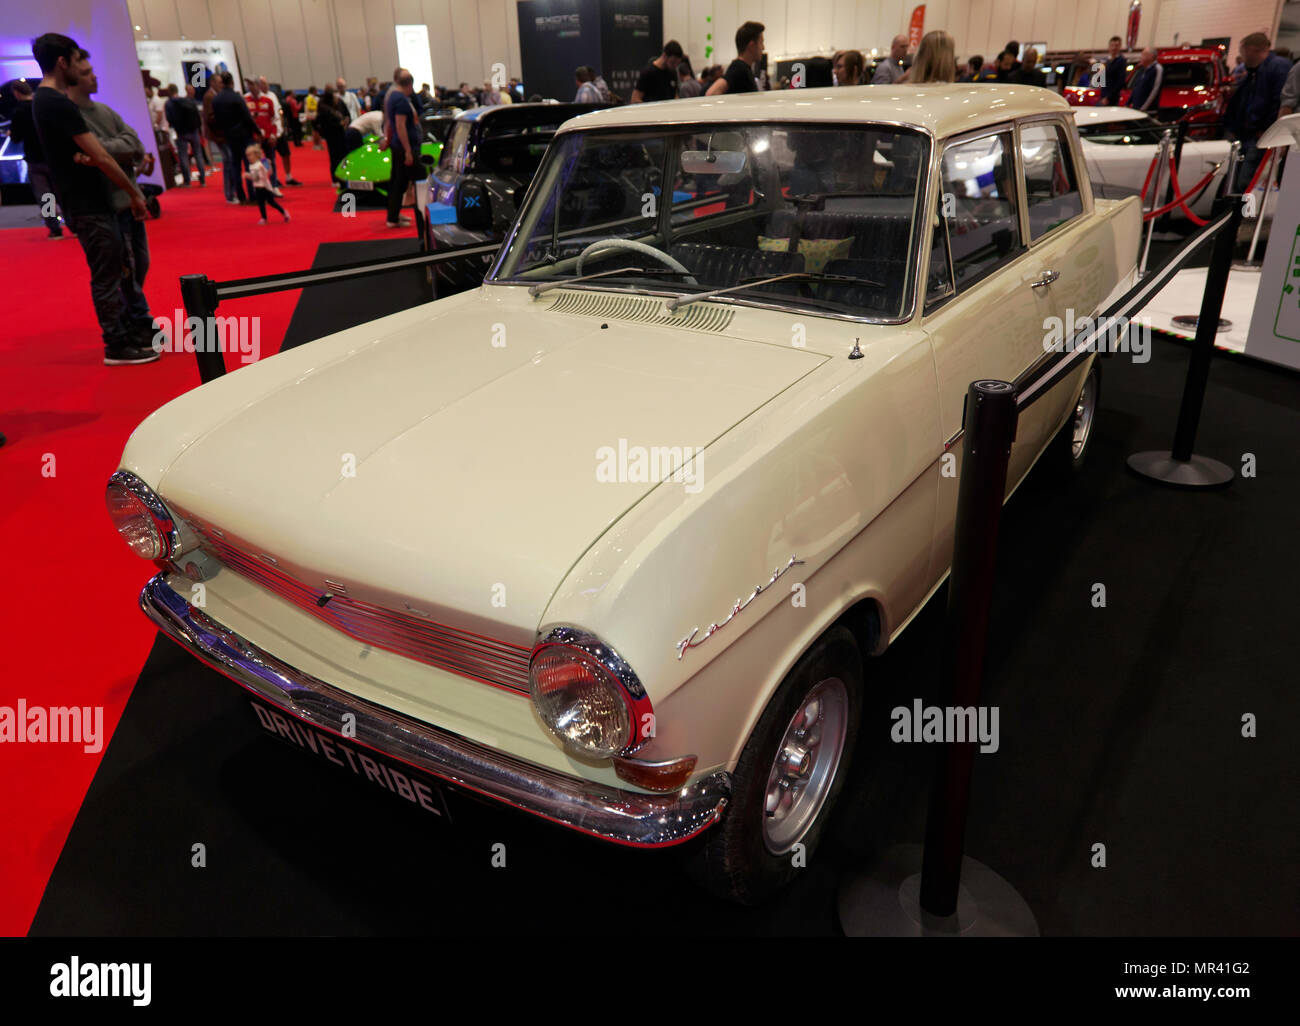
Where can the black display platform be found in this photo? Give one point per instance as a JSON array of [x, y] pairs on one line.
[[1119, 725], [324, 309]]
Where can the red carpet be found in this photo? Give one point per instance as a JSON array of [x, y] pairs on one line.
[[73, 633]]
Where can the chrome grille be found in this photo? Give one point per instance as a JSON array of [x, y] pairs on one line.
[[449, 648]]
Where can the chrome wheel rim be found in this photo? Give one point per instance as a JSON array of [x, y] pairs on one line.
[[803, 771], [1084, 410]]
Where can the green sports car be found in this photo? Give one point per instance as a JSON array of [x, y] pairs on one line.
[[366, 170]]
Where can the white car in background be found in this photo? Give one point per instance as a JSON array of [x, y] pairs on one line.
[[1119, 144]]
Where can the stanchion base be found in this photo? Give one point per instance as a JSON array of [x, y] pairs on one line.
[[1198, 472], [886, 902]]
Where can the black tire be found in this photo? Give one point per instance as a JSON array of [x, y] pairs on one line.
[[735, 860], [1061, 457]]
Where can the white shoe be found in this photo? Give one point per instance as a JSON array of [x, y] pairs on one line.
[[261, 220]]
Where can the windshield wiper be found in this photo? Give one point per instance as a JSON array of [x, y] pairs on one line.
[[537, 290], [846, 279]]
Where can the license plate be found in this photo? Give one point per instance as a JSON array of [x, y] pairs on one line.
[[394, 776], [361, 186]]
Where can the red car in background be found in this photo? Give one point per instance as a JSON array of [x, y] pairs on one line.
[[1196, 87]]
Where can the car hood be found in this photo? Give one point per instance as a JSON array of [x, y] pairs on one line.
[[459, 458]]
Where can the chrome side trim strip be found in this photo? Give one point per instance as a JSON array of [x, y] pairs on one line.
[[612, 814]]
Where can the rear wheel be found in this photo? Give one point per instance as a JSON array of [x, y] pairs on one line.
[[1070, 447], [788, 777]]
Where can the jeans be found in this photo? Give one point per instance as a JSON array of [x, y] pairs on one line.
[[230, 172], [1251, 156], [397, 182], [101, 240], [136, 312], [186, 144], [39, 177]]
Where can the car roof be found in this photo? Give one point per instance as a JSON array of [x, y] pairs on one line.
[[941, 108], [1105, 115], [1186, 53], [545, 111]]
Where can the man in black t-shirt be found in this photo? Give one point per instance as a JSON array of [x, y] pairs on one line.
[[83, 173], [659, 79], [183, 115], [739, 77]]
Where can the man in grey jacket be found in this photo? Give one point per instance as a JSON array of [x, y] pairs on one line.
[[1290, 93], [122, 143]]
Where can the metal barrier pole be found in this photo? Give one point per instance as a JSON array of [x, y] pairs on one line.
[[1179, 466], [1263, 207], [199, 294], [990, 429], [1161, 165], [1174, 169]]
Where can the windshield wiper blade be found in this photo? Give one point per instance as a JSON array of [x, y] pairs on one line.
[[681, 301]]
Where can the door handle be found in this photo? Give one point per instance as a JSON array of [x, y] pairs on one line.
[[1047, 279]]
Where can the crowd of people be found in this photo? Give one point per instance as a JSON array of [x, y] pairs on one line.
[[84, 160]]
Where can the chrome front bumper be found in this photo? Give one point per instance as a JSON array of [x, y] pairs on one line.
[[624, 817]]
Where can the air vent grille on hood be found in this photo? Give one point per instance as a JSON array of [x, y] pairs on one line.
[[648, 310]]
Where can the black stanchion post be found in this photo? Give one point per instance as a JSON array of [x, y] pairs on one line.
[[199, 294], [937, 890], [1180, 466], [990, 431]]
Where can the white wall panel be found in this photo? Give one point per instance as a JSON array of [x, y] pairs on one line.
[[494, 43], [194, 20], [381, 34], [468, 45], [318, 37], [437, 15], [162, 20], [353, 43]]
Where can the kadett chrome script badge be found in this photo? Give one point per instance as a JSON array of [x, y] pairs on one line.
[[690, 640]]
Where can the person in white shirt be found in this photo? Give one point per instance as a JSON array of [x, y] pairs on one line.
[[349, 98], [369, 123], [156, 107]]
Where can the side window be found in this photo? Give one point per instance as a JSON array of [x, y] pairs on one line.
[[978, 206], [1051, 189]]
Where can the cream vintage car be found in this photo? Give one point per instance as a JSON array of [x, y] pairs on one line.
[[611, 537]]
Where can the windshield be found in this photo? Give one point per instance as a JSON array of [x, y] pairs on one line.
[[1132, 132], [828, 210], [1181, 74]]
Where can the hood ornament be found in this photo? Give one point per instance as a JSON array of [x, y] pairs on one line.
[[690, 641]]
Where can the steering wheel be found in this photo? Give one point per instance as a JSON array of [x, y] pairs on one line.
[[602, 247]]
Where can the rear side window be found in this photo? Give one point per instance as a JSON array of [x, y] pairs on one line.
[[1051, 189], [978, 206]]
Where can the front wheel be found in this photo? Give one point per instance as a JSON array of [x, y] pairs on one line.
[[788, 777]]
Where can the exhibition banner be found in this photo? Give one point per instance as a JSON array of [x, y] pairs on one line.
[[188, 61], [631, 36], [555, 36], [1275, 323]]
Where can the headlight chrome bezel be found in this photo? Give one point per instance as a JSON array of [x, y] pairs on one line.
[[620, 677], [165, 524]]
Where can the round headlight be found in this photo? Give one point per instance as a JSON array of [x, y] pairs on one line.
[[588, 695], [140, 517]]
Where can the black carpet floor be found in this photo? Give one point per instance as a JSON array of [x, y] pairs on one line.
[[1121, 726]]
